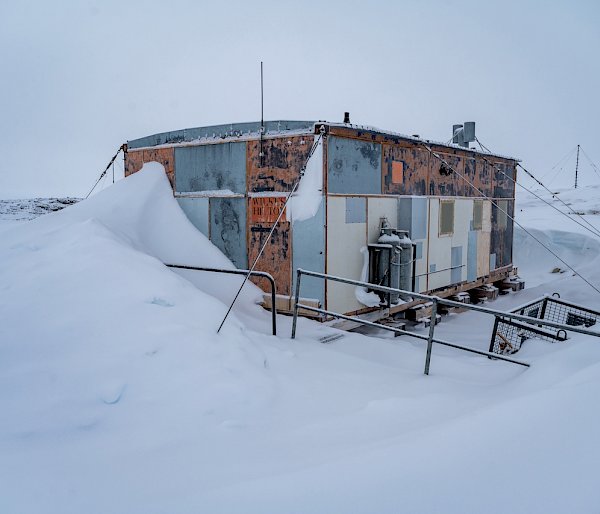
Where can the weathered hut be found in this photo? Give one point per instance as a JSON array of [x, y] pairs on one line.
[[232, 180]]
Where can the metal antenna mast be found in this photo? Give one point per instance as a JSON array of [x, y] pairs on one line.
[[577, 167], [262, 121]]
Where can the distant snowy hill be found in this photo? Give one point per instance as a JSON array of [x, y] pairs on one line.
[[118, 396], [17, 210]]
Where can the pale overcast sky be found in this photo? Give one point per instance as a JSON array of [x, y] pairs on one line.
[[80, 78]]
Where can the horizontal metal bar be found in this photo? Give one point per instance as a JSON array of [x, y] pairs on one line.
[[376, 287], [529, 304], [451, 303], [412, 334], [244, 272], [440, 270], [572, 305], [534, 329]]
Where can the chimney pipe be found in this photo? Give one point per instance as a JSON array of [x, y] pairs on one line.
[[346, 117]]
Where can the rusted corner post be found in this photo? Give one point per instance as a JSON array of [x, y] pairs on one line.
[[430, 338], [296, 299]]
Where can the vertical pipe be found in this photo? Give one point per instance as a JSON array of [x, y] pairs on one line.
[[414, 267], [296, 298], [430, 338]]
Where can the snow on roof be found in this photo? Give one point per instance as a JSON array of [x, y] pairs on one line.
[[251, 130]]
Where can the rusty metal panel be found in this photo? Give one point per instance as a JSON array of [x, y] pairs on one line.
[[211, 167], [308, 242], [276, 259], [134, 160], [164, 156], [482, 178], [405, 169], [196, 209], [503, 186], [279, 168], [228, 228], [502, 234], [353, 167], [266, 209], [442, 180]]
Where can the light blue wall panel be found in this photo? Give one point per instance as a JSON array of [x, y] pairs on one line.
[[419, 250], [211, 167], [196, 209], [356, 209], [472, 256], [353, 167], [405, 215], [228, 228], [419, 218], [412, 216], [456, 263], [308, 243]]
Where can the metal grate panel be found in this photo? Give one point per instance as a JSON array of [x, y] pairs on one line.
[[509, 336]]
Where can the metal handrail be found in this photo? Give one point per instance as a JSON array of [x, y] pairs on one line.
[[263, 274], [449, 303], [413, 334], [435, 300]]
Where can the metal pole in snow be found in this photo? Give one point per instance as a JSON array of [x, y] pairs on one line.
[[430, 338], [577, 167]]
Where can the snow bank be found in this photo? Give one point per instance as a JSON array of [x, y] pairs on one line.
[[117, 395], [370, 299], [308, 197]]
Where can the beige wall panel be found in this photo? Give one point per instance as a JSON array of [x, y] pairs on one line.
[[376, 209], [486, 225], [439, 250], [463, 216], [483, 254], [344, 241]]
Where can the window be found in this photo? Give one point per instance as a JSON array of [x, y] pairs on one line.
[[446, 217], [477, 214]]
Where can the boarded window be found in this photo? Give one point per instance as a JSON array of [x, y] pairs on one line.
[[446, 217], [397, 172], [477, 214], [501, 213]]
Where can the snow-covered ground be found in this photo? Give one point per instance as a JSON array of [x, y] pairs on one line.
[[118, 396]]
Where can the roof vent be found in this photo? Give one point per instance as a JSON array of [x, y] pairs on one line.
[[464, 134], [346, 117]]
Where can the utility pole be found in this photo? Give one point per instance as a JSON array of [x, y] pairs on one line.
[[577, 167]]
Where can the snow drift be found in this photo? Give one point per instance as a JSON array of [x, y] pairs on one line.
[[117, 395]]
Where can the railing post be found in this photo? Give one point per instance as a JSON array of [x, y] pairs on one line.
[[431, 332], [296, 298], [494, 332]]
